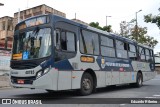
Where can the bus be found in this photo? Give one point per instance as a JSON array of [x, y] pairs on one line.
[[54, 53]]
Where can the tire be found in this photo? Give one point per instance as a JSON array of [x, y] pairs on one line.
[[50, 91], [86, 84], [139, 81]]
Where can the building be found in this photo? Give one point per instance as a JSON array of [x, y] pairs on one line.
[[80, 21], [7, 24], [6, 32], [38, 10]]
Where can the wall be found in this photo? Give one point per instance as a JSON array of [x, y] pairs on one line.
[[5, 57]]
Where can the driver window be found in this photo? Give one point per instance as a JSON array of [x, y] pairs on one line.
[[57, 39]]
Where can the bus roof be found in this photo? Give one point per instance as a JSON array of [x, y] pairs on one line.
[[115, 36]]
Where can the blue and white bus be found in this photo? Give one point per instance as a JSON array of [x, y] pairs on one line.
[[53, 53]]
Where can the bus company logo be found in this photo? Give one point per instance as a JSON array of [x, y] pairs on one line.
[[103, 63]]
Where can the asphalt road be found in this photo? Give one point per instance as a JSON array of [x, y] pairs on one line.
[[119, 94]]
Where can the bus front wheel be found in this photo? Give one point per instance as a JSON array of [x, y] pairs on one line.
[[86, 84]]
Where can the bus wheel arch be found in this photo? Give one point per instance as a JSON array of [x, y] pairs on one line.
[[89, 75]]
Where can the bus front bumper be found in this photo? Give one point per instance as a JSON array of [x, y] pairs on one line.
[[47, 81]]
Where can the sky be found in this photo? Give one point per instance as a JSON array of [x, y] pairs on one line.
[[95, 11]]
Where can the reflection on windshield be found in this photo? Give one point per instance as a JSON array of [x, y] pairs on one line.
[[32, 44]]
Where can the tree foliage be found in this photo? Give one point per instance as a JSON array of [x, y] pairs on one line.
[[139, 34], [153, 19], [105, 28]]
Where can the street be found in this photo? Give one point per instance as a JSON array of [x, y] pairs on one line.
[[150, 89]]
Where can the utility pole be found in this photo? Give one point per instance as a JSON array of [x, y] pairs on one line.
[[106, 19], [75, 15], [137, 26]]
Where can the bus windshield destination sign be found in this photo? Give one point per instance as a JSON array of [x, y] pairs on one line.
[[33, 22]]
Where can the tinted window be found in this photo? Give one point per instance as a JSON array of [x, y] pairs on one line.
[[71, 41], [121, 49], [132, 52], [65, 44], [106, 41], [107, 46], [142, 54], [89, 43], [64, 40], [107, 51]]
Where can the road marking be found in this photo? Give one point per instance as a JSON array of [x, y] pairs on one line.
[[150, 97], [156, 79], [122, 104], [156, 95]]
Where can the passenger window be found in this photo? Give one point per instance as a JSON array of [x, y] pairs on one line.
[[152, 56], [148, 55], [142, 54], [89, 43], [107, 47], [132, 52], [71, 42], [121, 49], [64, 40]]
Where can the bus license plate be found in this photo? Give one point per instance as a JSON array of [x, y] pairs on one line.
[[20, 81]]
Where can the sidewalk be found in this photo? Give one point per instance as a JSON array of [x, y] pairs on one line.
[[4, 81]]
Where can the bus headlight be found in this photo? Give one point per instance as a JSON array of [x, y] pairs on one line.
[[39, 74], [46, 70]]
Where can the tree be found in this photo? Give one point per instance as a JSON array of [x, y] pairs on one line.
[[105, 28], [130, 31], [153, 19], [125, 29]]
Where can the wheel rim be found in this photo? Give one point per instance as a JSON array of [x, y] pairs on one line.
[[86, 84]]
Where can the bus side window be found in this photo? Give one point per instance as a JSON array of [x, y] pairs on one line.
[[63, 40], [57, 38], [121, 48], [71, 46], [152, 56], [142, 54], [132, 52]]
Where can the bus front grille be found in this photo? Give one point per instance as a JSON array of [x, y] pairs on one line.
[[21, 66], [26, 80]]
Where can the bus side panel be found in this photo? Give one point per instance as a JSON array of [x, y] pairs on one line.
[[133, 76], [101, 82], [108, 77], [76, 79], [115, 77], [148, 75], [125, 77], [64, 80], [47, 81]]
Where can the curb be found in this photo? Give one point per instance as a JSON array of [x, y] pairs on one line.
[[5, 87]]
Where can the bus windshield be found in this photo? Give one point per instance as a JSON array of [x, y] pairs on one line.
[[32, 44]]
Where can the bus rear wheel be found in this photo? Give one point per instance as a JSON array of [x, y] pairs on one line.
[[86, 84], [139, 80]]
